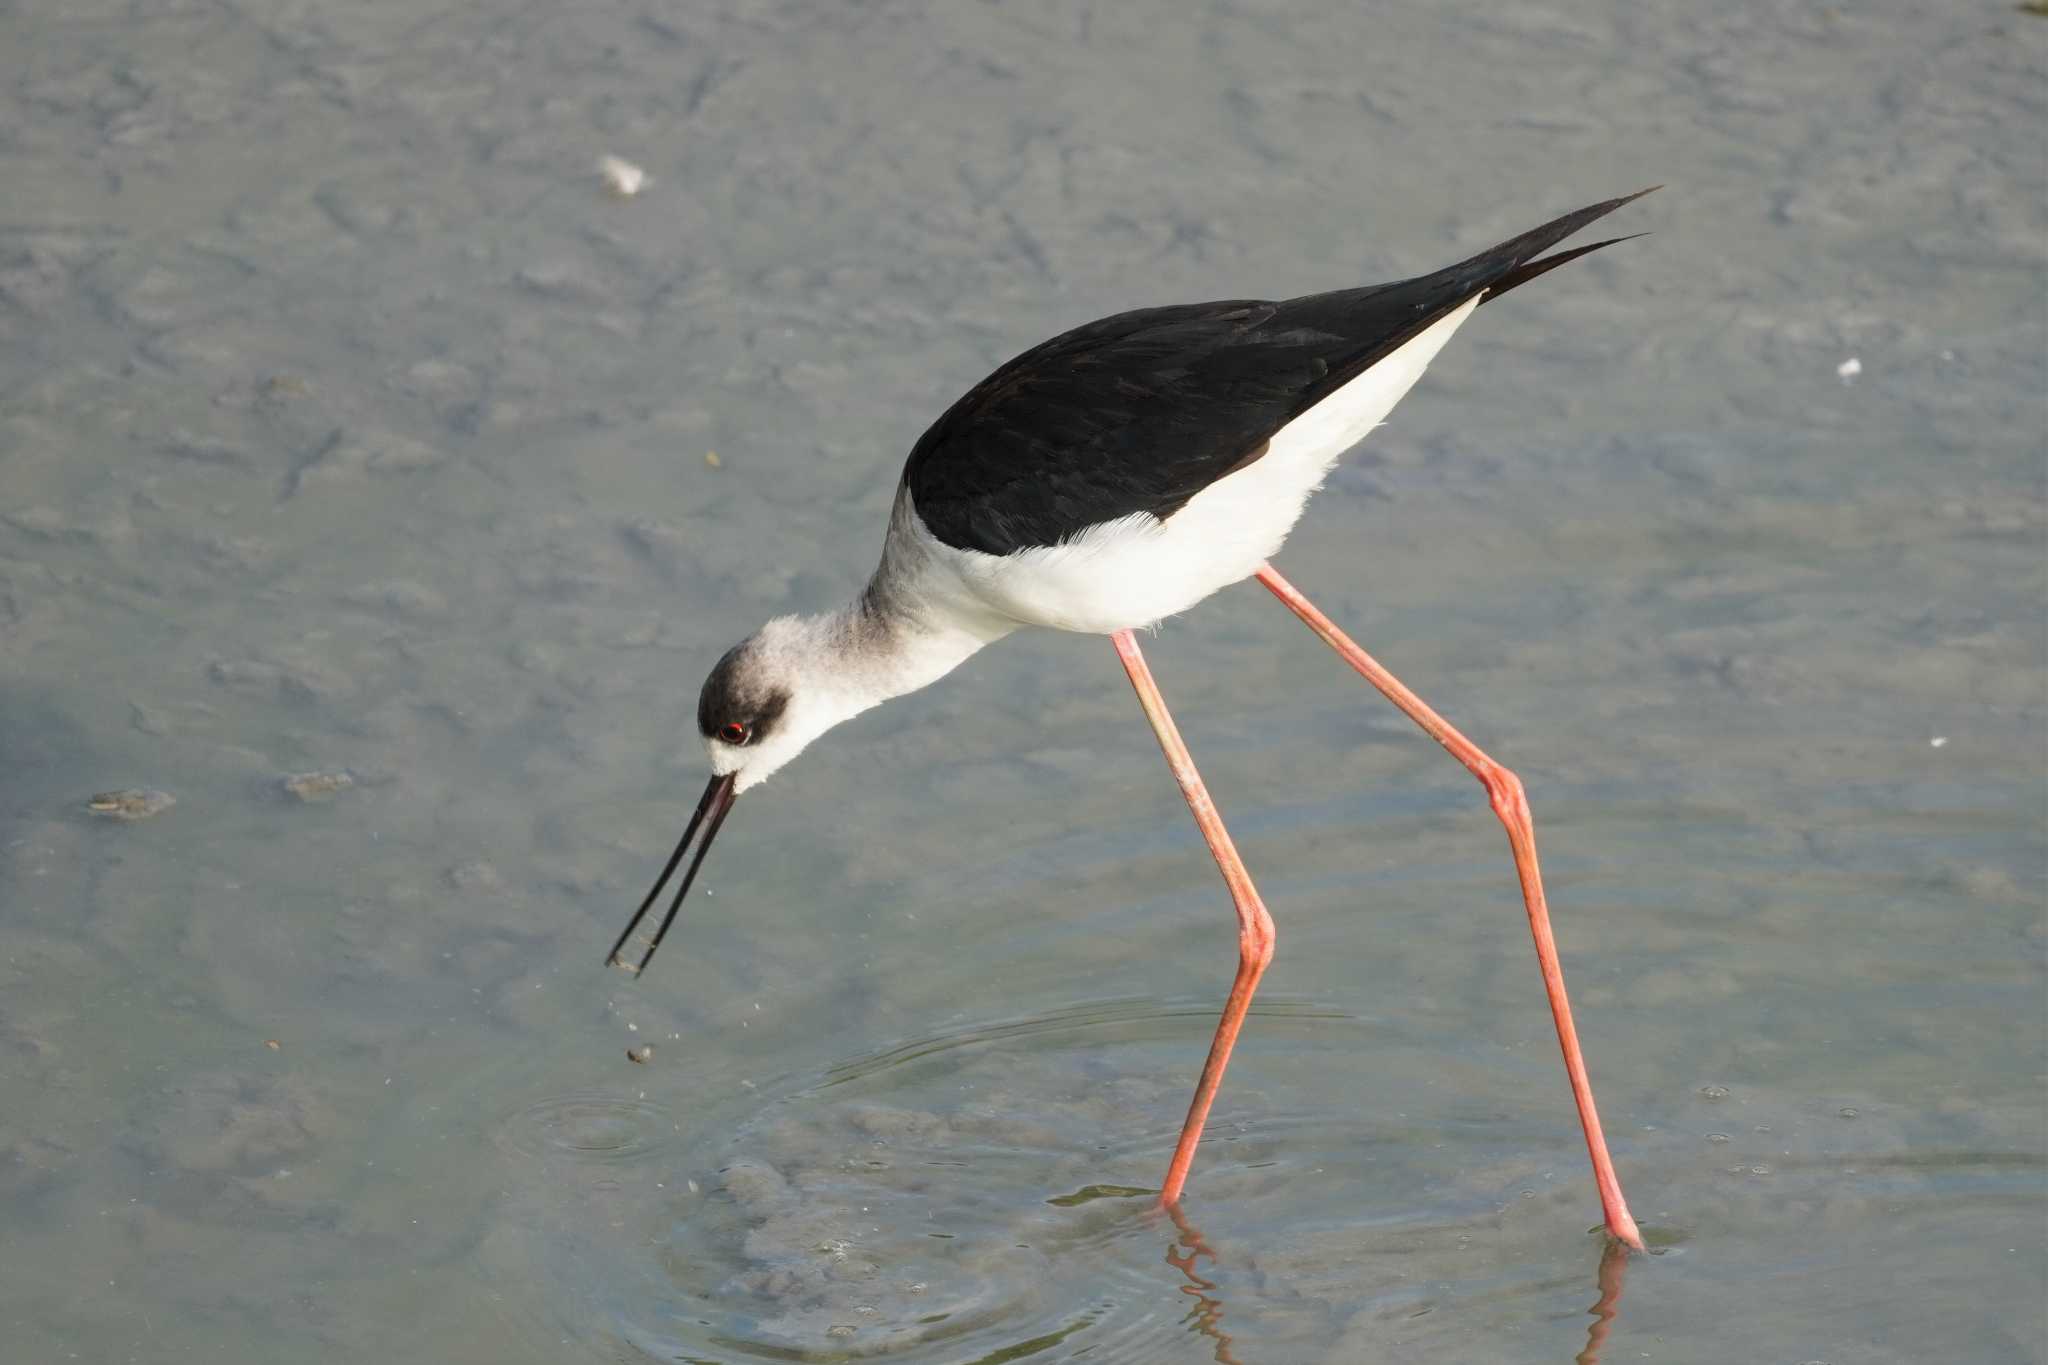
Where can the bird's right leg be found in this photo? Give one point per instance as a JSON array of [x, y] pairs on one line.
[[1504, 791], [1254, 925]]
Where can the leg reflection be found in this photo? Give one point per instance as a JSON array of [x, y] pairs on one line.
[[1206, 1317], [1605, 1309]]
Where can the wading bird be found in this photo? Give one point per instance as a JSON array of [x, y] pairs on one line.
[[1108, 478]]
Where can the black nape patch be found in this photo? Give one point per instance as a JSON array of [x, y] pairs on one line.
[[731, 696]]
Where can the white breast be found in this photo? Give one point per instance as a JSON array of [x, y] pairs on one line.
[[1137, 570]]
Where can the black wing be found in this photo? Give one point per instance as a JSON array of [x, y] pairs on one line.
[[1141, 411]]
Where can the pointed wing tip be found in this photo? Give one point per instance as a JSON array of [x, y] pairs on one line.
[[1543, 265], [1533, 265], [1601, 210]]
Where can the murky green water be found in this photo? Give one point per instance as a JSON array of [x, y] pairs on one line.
[[350, 433]]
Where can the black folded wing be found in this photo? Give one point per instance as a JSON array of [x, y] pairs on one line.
[[1141, 411]]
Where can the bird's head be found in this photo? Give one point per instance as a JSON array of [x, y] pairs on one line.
[[763, 703], [766, 700]]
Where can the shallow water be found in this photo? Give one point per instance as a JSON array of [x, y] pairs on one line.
[[358, 491]]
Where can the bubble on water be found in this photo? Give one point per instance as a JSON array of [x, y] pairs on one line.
[[1714, 1092], [621, 177], [1717, 1137], [1847, 1111]]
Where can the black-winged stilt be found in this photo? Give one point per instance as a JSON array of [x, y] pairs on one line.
[[1100, 482]]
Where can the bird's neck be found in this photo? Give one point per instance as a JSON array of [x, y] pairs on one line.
[[869, 656], [892, 639], [913, 623]]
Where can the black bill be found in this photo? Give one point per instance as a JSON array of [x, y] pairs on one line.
[[711, 812]]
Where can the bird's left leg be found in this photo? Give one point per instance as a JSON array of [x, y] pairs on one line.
[[1254, 925], [1504, 791]]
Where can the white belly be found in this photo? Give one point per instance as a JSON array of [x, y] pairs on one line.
[[1132, 572]]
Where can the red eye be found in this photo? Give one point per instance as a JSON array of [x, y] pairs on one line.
[[735, 732]]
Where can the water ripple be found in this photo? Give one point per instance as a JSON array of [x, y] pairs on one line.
[[590, 1127], [979, 1195]]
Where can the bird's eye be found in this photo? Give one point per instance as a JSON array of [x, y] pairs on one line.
[[735, 732]]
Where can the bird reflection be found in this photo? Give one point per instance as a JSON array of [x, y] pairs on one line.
[[1606, 1308], [1206, 1317]]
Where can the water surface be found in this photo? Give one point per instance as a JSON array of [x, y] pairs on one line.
[[349, 429]]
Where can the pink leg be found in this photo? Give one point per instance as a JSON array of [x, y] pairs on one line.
[[1254, 925], [1504, 789]]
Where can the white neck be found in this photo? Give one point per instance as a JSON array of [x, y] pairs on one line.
[[914, 623], [878, 646]]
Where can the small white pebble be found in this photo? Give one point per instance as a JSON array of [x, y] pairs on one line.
[[621, 176], [1937, 742], [1849, 369]]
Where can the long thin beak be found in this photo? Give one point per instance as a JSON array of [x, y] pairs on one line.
[[718, 798]]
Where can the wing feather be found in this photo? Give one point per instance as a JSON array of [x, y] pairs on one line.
[[1141, 411]]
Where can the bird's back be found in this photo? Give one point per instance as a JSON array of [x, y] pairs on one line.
[[1140, 412]]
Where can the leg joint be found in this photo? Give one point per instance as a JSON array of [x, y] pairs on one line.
[[1504, 791], [1255, 940]]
